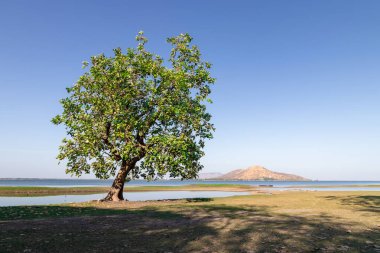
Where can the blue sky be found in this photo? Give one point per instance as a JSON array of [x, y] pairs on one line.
[[298, 82]]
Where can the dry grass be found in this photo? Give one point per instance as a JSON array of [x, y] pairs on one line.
[[281, 222]]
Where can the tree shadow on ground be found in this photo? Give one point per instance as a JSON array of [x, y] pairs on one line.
[[186, 228], [97, 230], [258, 230], [199, 199], [366, 203]]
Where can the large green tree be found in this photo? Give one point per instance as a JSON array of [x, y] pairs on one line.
[[135, 115]]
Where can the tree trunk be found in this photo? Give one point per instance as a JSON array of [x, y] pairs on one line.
[[116, 191]]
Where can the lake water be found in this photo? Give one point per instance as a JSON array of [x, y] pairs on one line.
[[97, 182], [133, 196], [157, 195]]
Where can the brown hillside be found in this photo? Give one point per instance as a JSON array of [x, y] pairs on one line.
[[260, 173]]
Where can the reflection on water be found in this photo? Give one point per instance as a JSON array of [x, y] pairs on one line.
[[133, 196]]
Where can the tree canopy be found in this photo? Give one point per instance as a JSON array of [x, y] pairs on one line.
[[134, 106]]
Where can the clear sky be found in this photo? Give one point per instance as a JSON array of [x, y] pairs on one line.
[[298, 82]]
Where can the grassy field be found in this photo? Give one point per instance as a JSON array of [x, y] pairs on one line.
[[47, 191], [278, 222], [50, 191]]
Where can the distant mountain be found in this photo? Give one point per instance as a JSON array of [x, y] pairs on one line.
[[209, 175], [260, 173]]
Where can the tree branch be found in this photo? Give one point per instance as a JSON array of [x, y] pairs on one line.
[[109, 144]]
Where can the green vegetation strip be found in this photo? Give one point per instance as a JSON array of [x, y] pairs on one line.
[[24, 191]]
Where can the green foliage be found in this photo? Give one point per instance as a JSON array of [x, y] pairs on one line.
[[134, 106]]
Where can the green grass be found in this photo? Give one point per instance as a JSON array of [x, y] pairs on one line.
[[48, 211], [21, 191], [41, 188]]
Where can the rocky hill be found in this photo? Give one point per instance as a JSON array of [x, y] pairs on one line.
[[260, 173]]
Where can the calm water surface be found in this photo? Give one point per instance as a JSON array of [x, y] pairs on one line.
[[97, 182], [157, 195]]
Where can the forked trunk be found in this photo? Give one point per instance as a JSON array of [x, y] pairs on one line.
[[116, 191]]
